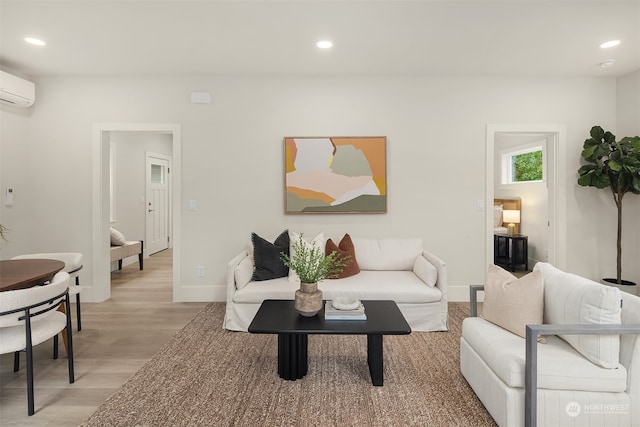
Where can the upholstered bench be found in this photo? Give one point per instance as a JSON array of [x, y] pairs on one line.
[[129, 248]]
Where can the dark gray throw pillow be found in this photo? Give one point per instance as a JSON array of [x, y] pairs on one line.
[[266, 257]]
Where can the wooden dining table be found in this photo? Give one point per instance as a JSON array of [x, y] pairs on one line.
[[25, 273]]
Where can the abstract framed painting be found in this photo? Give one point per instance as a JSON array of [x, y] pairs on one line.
[[335, 175]]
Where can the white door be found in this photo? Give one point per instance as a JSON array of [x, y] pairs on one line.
[[157, 203]]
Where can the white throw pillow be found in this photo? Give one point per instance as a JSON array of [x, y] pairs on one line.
[[317, 241], [117, 238], [243, 272], [387, 254], [426, 271], [250, 250], [572, 299], [497, 216]]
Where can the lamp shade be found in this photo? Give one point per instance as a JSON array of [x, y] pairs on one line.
[[511, 216]]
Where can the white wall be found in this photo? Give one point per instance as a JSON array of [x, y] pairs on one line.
[[628, 124], [233, 159]]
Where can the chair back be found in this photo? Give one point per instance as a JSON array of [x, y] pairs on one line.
[[39, 299], [72, 260]]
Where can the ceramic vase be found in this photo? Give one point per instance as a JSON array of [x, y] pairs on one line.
[[308, 299]]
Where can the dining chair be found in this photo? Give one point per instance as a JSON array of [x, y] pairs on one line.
[[72, 265], [29, 317]]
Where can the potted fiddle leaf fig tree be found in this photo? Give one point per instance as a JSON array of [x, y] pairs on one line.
[[614, 165]]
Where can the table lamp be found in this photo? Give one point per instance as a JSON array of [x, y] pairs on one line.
[[511, 218]]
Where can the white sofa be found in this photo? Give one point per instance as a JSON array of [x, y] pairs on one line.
[[388, 272], [523, 382]]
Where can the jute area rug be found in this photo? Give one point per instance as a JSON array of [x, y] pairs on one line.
[[207, 376]]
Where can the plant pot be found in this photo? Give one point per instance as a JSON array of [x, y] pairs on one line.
[[308, 299], [625, 286]]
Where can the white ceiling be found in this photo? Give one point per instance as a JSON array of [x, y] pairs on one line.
[[393, 37]]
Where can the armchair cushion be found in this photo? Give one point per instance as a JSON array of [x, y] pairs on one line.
[[426, 271], [571, 299], [560, 366], [513, 303]]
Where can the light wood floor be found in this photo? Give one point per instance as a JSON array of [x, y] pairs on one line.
[[118, 336]]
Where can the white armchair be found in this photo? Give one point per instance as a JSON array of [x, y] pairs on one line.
[[524, 382]]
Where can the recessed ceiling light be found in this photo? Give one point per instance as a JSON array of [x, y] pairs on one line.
[[324, 44], [608, 63], [609, 44], [34, 41]]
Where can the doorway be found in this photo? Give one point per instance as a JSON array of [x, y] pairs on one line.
[[555, 137], [101, 289]]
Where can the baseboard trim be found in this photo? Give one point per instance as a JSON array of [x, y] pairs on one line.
[[200, 294]]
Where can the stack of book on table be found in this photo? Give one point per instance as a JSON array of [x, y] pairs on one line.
[[332, 313]]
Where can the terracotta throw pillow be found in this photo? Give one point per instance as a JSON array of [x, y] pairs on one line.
[[513, 303], [345, 247]]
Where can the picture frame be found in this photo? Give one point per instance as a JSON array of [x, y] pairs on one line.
[[335, 175]]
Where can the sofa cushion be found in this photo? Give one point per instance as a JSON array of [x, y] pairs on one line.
[[426, 271], [400, 286], [513, 303], [571, 299], [560, 366], [130, 248], [266, 257], [243, 272], [294, 237], [344, 248], [387, 254]]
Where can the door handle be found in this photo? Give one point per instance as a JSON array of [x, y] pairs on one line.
[[152, 210]]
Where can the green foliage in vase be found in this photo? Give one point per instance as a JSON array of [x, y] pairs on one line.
[[3, 230], [311, 264]]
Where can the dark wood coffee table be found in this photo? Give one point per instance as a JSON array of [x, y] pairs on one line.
[[279, 317]]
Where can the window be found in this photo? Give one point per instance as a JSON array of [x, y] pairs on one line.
[[523, 164]]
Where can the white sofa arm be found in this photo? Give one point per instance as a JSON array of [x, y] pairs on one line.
[[231, 270]]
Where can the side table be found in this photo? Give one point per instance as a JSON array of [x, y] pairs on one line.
[[509, 251]]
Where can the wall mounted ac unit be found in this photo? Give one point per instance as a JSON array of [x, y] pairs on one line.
[[16, 91]]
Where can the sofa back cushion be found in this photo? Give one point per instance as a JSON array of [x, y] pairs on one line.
[[387, 254], [572, 299]]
